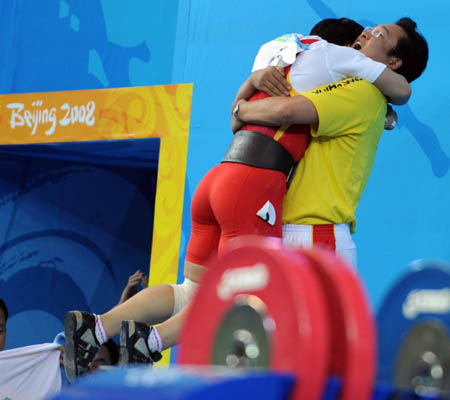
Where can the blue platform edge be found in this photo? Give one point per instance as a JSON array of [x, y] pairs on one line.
[[179, 383], [198, 383]]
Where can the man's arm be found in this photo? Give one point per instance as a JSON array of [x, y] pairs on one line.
[[277, 111]]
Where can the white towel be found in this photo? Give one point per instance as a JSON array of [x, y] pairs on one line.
[[30, 373], [281, 52]]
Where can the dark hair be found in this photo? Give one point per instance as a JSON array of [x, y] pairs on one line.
[[412, 49], [341, 31], [4, 308], [113, 351]]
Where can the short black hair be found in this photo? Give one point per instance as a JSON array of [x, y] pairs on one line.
[[341, 31], [4, 308], [113, 350], [412, 49]]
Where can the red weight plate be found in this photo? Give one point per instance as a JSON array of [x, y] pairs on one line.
[[353, 332], [287, 285]]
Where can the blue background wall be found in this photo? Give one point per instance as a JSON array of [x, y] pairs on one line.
[[67, 44]]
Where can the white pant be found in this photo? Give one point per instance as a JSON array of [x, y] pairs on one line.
[[301, 236]]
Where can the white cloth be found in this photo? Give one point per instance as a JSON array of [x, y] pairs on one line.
[[295, 236], [182, 294], [281, 52], [320, 63], [30, 373]]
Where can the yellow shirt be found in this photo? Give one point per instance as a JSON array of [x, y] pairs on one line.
[[333, 173]]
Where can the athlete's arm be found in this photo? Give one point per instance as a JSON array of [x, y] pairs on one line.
[[270, 80], [276, 111], [394, 86], [350, 62]]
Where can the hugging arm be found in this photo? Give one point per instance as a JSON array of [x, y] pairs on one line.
[[394, 86], [270, 80], [276, 111], [350, 62]]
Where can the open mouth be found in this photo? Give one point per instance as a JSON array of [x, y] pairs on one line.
[[357, 45]]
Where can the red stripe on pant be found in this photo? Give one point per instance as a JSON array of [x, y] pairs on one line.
[[323, 236]]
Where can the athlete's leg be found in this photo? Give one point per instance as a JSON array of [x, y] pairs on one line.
[[142, 343], [205, 231], [202, 245], [236, 202], [233, 195], [170, 329], [151, 305]]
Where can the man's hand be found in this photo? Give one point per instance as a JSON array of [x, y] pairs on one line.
[[132, 286], [271, 80], [135, 279]]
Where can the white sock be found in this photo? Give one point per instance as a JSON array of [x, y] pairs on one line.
[[154, 341], [100, 332]]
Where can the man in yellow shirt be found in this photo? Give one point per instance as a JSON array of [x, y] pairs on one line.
[[346, 120]]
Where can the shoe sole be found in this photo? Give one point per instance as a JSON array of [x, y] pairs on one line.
[[70, 327], [125, 353]]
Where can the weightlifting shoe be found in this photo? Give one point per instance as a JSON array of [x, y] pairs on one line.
[[134, 344], [81, 343]]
